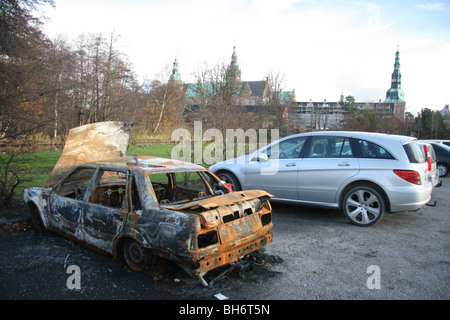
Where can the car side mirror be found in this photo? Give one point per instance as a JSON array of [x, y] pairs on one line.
[[262, 157]]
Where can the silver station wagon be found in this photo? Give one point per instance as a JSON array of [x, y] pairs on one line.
[[363, 174]]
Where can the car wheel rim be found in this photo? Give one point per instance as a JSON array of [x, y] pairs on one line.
[[135, 255], [363, 207], [442, 170]]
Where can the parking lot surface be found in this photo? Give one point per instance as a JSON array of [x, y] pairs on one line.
[[316, 255]]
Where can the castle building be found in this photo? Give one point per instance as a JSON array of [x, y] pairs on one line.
[[310, 115], [252, 95], [324, 115]]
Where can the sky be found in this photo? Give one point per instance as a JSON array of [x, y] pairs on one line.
[[324, 48]]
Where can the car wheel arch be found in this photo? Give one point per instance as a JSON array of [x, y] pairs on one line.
[[38, 218], [122, 238], [364, 183]]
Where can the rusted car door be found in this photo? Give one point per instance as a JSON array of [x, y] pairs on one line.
[[65, 203], [105, 209], [101, 225], [65, 214]]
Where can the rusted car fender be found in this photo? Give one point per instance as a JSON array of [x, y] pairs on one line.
[[36, 199], [128, 234], [161, 232]]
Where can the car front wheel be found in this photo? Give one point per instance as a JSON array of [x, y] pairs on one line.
[[364, 205]]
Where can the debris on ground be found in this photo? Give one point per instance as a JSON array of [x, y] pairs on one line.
[[14, 227]]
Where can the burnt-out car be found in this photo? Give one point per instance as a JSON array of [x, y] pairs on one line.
[[143, 208]]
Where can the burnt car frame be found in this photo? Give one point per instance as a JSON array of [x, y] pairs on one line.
[[142, 208]]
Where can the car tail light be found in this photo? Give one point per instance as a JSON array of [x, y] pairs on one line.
[[427, 153], [409, 175]]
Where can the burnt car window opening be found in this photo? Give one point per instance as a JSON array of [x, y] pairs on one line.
[[180, 187], [135, 201], [110, 189], [76, 184]]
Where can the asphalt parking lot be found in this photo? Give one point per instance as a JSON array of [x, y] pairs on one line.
[[316, 255]]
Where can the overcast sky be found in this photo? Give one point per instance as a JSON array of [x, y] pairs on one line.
[[324, 47]]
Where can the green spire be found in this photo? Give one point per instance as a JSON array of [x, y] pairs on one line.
[[396, 93], [234, 62], [175, 76], [234, 69]]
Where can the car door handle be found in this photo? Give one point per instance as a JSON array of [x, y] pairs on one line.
[[292, 164], [345, 164]]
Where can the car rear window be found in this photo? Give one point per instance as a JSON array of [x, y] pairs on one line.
[[415, 154]]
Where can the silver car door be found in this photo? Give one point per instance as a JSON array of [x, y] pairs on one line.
[[327, 164], [275, 168]]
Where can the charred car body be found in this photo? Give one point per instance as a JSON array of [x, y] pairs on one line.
[[146, 207]]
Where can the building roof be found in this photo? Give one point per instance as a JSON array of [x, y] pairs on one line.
[[257, 88]]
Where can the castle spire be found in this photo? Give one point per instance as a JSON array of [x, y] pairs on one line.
[[396, 93], [175, 76], [234, 70]]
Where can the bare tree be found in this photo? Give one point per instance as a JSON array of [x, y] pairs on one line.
[[21, 47], [278, 100], [164, 103], [216, 93]]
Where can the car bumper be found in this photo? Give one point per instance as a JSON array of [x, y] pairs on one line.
[[225, 257], [409, 200]]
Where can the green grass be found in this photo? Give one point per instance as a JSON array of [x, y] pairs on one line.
[[154, 150]]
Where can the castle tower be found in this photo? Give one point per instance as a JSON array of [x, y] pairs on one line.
[[175, 76], [396, 93], [233, 70]]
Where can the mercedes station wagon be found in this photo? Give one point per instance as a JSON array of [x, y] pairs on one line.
[[144, 208], [363, 174]]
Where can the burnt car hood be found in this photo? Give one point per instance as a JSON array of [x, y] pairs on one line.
[[91, 142], [216, 201]]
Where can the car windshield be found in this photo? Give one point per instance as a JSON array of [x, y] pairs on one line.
[[414, 152]]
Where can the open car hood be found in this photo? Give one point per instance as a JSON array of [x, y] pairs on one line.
[[91, 142]]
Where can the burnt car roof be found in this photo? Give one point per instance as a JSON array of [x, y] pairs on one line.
[[147, 164]]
